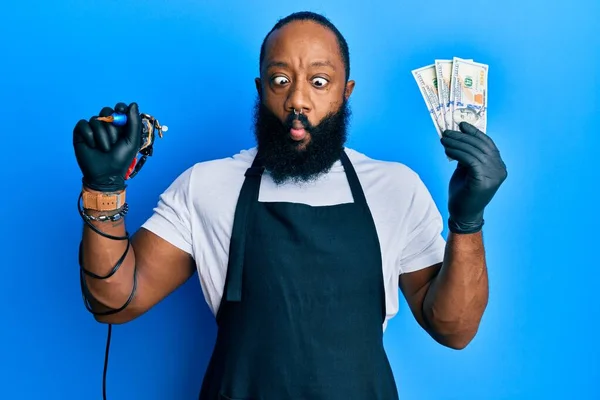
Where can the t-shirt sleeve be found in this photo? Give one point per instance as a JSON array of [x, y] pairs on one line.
[[171, 217], [425, 245]]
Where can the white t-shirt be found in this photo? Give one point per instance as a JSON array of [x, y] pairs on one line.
[[197, 210]]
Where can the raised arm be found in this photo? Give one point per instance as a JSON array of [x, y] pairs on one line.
[[133, 278], [448, 299]]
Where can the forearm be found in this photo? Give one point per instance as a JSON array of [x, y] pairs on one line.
[[458, 295], [151, 269], [99, 256]]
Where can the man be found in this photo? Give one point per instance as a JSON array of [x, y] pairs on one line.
[[299, 243]]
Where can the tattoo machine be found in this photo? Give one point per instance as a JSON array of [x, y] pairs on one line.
[[150, 127]]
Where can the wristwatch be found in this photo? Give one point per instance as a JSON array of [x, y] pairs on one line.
[[103, 201]]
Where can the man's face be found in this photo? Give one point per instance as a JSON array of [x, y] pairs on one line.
[[302, 70], [465, 114]]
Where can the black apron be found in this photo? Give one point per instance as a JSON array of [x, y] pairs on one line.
[[304, 303]]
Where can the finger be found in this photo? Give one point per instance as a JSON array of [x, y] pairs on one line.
[[83, 133], [462, 146], [113, 132], [106, 111], [463, 157], [469, 129], [466, 127], [133, 127], [100, 135], [475, 141], [121, 108]]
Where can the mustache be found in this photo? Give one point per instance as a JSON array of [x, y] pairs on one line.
[[300, 117]]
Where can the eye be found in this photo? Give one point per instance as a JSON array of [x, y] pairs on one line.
[[280, 80], [320, 82]]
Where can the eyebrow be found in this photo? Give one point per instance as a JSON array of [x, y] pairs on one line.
[[282, 64]]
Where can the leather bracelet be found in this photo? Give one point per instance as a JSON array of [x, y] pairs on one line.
[[112, 217], [110, 201]]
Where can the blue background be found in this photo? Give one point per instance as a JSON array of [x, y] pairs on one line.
[[64, 60]]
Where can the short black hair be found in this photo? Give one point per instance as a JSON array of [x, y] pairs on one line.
[[319, 19]]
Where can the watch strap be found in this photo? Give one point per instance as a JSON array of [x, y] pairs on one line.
[[103, 201]]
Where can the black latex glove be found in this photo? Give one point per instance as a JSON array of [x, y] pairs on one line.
[[477, 178], [104, 151]]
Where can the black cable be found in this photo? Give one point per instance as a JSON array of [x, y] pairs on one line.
[[86, 294], [108, 335], [115, 268]]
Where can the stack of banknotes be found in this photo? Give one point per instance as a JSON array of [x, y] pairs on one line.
[[454, 91]]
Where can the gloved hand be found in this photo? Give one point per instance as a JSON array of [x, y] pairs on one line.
[[477, 178], [104, 151]]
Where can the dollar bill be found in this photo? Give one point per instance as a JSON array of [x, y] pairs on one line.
[[468, 94], [427, 83], [443, 73]]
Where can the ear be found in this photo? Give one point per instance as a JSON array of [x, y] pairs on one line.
[[349, 89], [258, 85]]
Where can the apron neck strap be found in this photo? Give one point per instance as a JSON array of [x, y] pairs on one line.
[[355, 186]]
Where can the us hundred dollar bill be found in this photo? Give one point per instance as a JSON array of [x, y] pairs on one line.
[[443, 73], [427, 81], [468, 94]]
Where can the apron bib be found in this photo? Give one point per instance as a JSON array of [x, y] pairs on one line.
[[304, 303]]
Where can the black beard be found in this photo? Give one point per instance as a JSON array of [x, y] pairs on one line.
[[284, 158]]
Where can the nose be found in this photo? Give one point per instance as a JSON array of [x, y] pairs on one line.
[[298, 99]]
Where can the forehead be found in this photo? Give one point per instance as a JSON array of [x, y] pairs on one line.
[[303, 41]]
